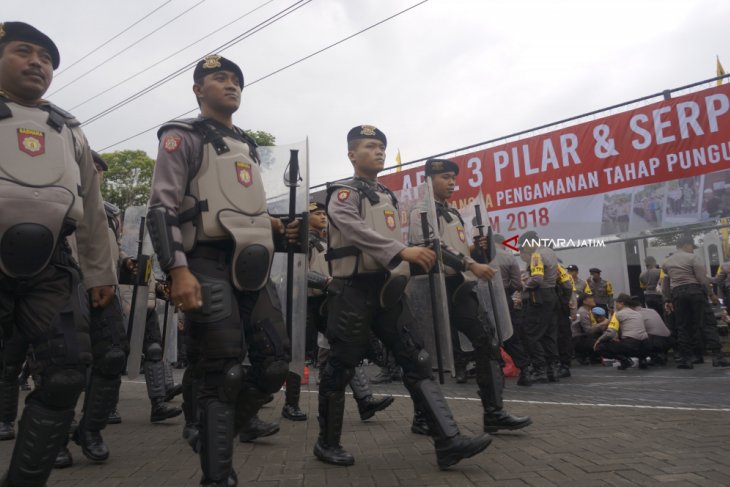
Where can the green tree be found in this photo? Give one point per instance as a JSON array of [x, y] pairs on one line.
[[127, 182], [261, 137]]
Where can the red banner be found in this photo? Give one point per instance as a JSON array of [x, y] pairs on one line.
[[671, 139]]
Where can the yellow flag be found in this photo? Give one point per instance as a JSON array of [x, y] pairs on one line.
[[720, 70], [398, 161]]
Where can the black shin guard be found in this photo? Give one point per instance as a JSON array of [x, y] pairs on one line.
[[216, 440]]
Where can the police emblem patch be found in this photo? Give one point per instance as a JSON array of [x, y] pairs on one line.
[[171, 142], [211, 61], [243, 174], [367, 130], [389, 218], [343, 195], [32, 142], [460, 232]]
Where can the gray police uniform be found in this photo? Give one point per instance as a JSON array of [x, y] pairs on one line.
[[649, 279], [208, 211], [685, 282], [367, 294], [539, 308], [48, 179]]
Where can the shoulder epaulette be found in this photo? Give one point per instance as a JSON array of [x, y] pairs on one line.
[[58, 117], [183, 123]]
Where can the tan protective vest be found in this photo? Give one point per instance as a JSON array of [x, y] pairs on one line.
[[229, 191], [382, 217], [453, 235], [40, 186]]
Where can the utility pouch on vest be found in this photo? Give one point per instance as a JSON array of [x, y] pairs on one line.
[[395, 285], [29, 233], [254, 249]]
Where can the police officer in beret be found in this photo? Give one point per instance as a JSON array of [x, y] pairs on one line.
[[50, 190], [370, 267], [465, 312], [602, 289], [213, 236]]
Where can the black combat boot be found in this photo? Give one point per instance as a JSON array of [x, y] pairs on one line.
[[551, 371], [64, 458], [538, 375], [491, 382], [8, 403], [564, 371], [328, 448], [175, 390], [161, 411], [102, 394], [720, 360], [524, 378], [419, 425], [291, 409], [367, 405], [451, 446], [114, 417], [255, 428], [461, 374], [171, 389]]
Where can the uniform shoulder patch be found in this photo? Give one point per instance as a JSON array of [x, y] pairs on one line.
[[343, 195], [171, 142]]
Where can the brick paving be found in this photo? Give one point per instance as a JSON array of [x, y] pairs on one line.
[[601, 427]]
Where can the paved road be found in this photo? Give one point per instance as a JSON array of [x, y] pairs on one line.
[[602, 427]]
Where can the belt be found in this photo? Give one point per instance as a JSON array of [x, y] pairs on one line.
[[224, 251]]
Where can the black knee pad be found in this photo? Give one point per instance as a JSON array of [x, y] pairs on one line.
[[232, 383], [423, 364], [154, 352], [273, 376], [112, 363], [61, 388]]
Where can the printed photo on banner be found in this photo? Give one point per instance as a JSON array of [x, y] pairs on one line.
[[648, 207], [616, 211], [683, 202], [716, 195]]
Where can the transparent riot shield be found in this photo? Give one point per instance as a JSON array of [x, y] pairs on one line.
[[275, 172], [168, 323], [134, 299], [427, 293]]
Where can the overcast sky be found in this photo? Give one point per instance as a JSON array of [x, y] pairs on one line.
[[446, 74]]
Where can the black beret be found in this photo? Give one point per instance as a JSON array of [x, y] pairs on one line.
[[213, 63], [366, 132], [594, 269], [436, 166], [572, 267], [20, 31], [99, 161]]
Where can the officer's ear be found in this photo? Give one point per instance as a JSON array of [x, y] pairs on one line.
[[351, 147], [198, 90]]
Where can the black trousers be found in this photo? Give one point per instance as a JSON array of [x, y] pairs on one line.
[[627, 347], [689, 316], [655, 302], [540, 320]]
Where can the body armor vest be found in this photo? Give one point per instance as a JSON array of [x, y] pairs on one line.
[[226, 201], [40, 186], [379, 211], [453, 235]]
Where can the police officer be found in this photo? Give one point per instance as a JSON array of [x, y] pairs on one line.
[[49, 189], [369, 265], [581, 286], [466, 313], [684, 289], [602, 289], [648, 281], [214, 238], [539, 307], [625, 336]]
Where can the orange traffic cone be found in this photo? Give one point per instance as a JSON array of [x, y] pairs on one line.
[[305, 376]]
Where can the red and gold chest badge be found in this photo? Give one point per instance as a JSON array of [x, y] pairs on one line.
[[32, 142], [171, 142], [243, 173], [389, 218], [460, 233], [343, 195]]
